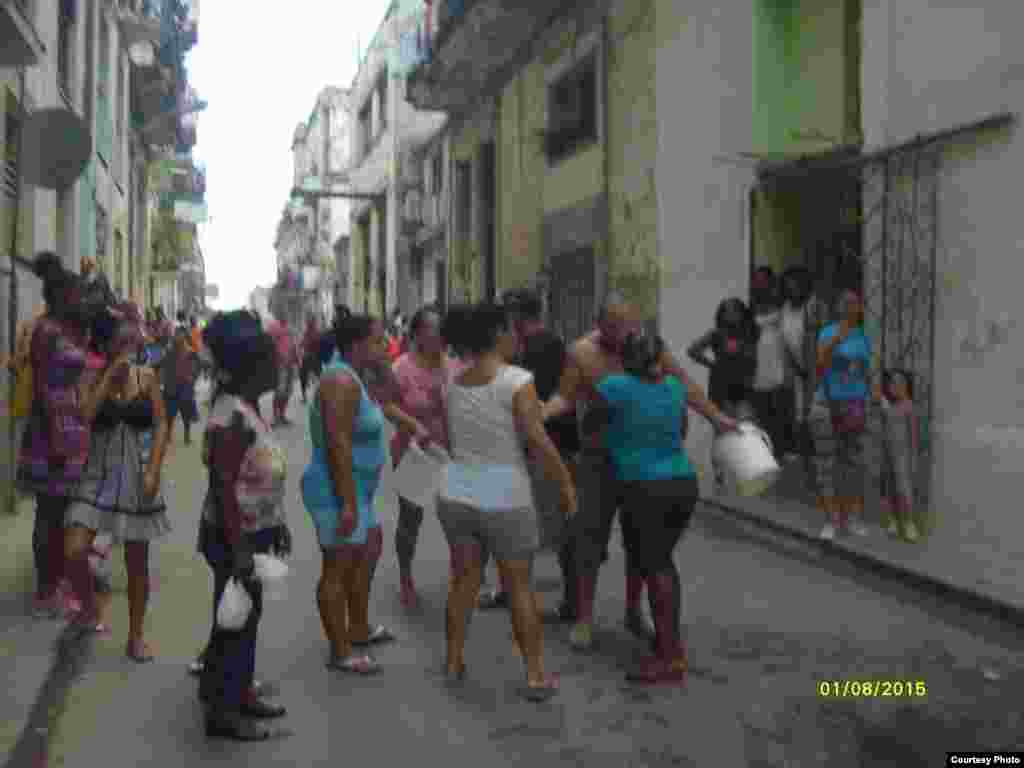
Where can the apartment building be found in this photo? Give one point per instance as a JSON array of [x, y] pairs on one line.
[[553, 137], [387, 132], [119, 67]]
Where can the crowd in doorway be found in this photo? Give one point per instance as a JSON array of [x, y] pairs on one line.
[[798, 362]]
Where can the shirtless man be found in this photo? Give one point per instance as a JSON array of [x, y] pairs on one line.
[[591, 359]]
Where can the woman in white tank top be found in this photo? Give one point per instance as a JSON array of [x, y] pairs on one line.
[[485, 497]]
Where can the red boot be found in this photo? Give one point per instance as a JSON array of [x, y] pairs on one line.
[[664, 666]]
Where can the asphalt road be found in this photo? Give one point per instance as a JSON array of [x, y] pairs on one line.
[[766, 623]]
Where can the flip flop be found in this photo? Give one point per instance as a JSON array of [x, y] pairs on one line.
[[378, 636], [538, 694], [355, 665]]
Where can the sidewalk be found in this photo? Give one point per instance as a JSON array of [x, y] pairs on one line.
[[940, 562]]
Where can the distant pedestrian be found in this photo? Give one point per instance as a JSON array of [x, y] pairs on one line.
[[179, 373], [309, 353], [243, 515], [287, 364]]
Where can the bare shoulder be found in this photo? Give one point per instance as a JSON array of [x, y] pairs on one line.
[[584, 349], [340, 384]]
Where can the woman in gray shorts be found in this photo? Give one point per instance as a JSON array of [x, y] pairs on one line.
[[485, 498]]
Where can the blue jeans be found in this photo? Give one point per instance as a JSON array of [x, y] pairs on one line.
[[231, 657]]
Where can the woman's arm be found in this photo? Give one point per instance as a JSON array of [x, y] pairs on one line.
[[339, 401], [695, 395], [227, 450], [163, 433], [698, 351], [95, 396], [530, 422], [564, 400]]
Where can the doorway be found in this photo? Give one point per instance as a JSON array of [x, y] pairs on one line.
[[488, 223]]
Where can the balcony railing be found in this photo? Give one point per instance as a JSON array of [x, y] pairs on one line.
[[20, 45]]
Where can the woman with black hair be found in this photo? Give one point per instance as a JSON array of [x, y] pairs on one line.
[[243, 514], [733, 360], [486, 499], [420, 377], [339, 486], [119, 493], [642, 413], [55, 443]]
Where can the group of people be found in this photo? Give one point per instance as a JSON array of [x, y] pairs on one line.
[[804, 374], [99, 389]]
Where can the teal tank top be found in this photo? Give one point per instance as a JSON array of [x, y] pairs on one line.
[[369, 449]]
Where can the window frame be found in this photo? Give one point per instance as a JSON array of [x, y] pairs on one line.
[[587, 54]]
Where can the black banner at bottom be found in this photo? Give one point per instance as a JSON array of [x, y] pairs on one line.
[[984, 758]]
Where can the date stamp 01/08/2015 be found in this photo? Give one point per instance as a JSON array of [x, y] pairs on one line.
[[872, 689]]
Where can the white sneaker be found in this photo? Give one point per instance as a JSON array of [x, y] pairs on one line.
[[828, 532]]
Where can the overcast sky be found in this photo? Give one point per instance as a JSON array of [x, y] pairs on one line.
[[260, 67]]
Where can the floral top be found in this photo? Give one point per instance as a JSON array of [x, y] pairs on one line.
[[260, 488], [55, 445], [421, 394]]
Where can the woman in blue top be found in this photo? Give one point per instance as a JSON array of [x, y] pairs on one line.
[[642, 415], [838, 418], [339, 486]]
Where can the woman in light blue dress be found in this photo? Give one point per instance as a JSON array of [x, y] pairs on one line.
[[339, 486]]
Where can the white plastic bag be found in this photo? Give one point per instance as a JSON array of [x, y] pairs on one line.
[[271, 572], [234, 607], [418, 476]]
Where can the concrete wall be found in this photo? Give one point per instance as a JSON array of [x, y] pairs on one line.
[[704, 95], [929, 66]]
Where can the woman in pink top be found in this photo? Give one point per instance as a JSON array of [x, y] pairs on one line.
[[420, 383]]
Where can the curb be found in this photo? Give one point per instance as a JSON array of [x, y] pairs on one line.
[[970, 598]]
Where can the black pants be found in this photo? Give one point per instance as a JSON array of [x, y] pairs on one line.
[[231, 656], [48, 541], [654, 515], [310, 367], [776, 413]]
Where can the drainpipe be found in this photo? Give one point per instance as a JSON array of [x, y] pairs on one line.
[[11, 495]]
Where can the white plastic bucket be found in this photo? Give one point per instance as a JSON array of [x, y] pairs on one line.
[[747, 458]]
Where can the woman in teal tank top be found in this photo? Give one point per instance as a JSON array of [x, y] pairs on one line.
[[339, 485]]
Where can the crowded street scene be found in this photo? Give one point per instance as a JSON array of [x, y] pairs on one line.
[[549, 421]]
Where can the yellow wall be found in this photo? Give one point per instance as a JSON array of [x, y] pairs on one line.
[[634, 263], [464, 274], [528, 188]]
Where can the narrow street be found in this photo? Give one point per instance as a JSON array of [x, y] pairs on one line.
[[766, 624]]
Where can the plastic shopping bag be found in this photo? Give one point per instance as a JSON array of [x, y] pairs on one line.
[[418, 476], [271, 572], [234, 607]]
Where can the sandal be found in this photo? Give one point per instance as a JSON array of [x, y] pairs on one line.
[[378, 636], [139, 652], [354, 665], [538, 694], [453, 679]]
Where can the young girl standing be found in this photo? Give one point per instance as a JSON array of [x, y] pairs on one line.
[[900, 448]]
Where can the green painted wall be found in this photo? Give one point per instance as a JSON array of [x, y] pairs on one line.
[[806, 74]]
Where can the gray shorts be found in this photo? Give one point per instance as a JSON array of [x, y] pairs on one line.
[[839, 457], [509, 534]]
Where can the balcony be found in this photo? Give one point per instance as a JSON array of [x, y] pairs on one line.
[[20, 45], [475, 44], [140, 22]]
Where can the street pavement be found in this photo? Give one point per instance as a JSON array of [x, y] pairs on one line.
[[767, 620]]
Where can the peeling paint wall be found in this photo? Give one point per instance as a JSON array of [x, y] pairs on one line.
[[704, 94], [635, 260], [929, 66]]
